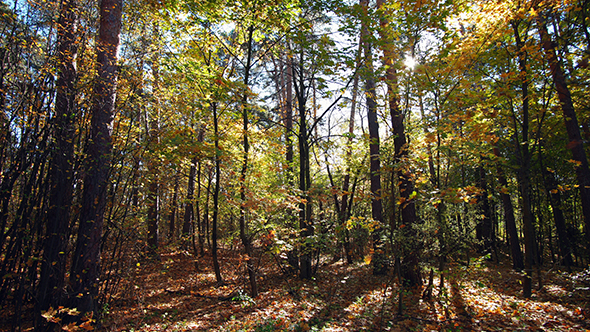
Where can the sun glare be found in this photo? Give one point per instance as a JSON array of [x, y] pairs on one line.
[[409, 62]]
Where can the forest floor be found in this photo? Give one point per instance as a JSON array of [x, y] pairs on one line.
[[172, 295]]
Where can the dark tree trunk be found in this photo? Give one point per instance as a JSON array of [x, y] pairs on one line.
[[85, 270], [378, 261], [344, 211], [293, 255], [485, 225], [576, 144], [512, 232], [187, 226], [305, 207], [153, 196], [217, 159], [244, 236], [410, 269], [61, 169], [563, 240], [525, 164], [173, 208]]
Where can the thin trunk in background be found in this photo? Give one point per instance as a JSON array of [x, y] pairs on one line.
[[189, 212], [344, 213], [217, 160], [173, 210]]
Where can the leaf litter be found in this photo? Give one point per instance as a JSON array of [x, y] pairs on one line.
[[172, 295]]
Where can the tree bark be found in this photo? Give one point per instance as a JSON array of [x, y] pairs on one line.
[[217, 160], [525, 165], [173, 208], [189, 212], [305, 206], [576, 144], [565, 249], [410, 268], [346, 198], [61, 169], [515, 252], [244, 236], [378, 260], [85, 270]]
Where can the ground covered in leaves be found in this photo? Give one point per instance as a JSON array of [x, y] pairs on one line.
[[173, 295]]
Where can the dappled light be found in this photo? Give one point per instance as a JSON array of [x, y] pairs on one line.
[[476, 298]]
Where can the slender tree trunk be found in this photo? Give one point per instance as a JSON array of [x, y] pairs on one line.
[[305, 212], [515, 252], [565, 250], [485, 224], [216, 196], [61, 169], [200, 219], [245, 237], [293, 255], [206, 226], [576, 144], [85, 270], [153, 197], [189, 211], [173, 208], [525, 165], [378, 261], [410, 269], [344, 214]]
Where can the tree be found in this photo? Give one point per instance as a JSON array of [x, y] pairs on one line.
[[410, 261], [576, 144], [85, 269], [378, 261], [61, 166]]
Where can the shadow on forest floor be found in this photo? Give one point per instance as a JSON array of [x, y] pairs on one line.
[[171, 295]]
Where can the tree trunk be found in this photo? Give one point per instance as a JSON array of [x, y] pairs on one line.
[[525, 164], [485, 225], [153, 197], [410, 269], [85, 270], [173, 208], [576, 144], [344, 214], [61, 169], [216, 196], [565, 250], [244, 236], [305, 211], [515, 252], [378, 261], [189, 212], [293, 255]]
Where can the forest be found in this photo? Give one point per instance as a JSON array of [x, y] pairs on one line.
[[284, 165]]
